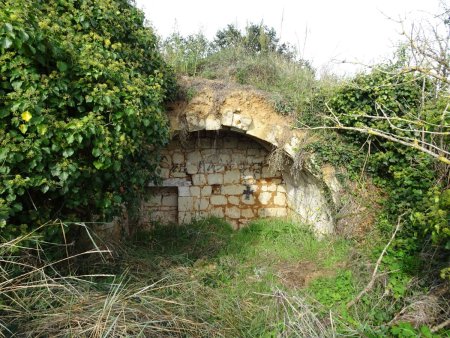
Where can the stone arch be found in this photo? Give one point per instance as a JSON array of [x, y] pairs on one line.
[[219, 107]]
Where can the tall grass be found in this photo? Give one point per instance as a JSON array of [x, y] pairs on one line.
[[40, 296], [199, 280], [271, 279], [290, 81]]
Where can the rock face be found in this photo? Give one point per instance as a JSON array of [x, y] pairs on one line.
[[218, 163]]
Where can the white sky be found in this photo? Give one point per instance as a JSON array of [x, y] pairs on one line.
[[324, 31]]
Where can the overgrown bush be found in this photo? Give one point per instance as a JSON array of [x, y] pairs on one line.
[[81, 86]]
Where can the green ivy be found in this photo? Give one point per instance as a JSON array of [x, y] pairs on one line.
[[81, 93], [409, 177]]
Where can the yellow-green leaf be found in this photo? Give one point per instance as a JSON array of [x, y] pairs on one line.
[[26, 116], [42, 129], [23, 128]]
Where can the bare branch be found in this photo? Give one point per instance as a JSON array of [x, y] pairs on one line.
[[369, 286]]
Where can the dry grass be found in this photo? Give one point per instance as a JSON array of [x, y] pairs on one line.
[[41, 297], [299, 318]]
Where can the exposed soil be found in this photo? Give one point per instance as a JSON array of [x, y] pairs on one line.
[[300, 274]]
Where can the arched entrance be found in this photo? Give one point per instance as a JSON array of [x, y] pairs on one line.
[[218, 163]]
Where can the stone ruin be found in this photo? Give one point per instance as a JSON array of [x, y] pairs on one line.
[[219, 163], [220, 174]]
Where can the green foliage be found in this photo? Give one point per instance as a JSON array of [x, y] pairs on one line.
[[252, 57], [185, 54], [335, 148], [256, 39], [390, 100], [383, 91], [81, 88], [405, 329], [335, 290]]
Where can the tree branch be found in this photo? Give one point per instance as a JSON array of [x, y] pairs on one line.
[[369, 286]]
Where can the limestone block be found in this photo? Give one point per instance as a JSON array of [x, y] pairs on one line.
[[185, 203], [223, 150], [224, 158], [248, 179], [194, 122], [281, 188], [215, 179], [184, 191], [218, 200], [217, 212], [246, 122], [194, 157], [254, 187], [232, 176], [206, 190], [210, 168], [233, 200], [166, 161], [238, 158], [217, 168], [264, 197], [280, 199], [164, 173], [272, 187], [212, 123], [174, 182], [170, 201], [253, 152], [178, 174], [191, 168], [198, 179], [227, 118], [257, 159], [267, 172], [247, 213], [248, 173], [272, 212], [185, 217], [178, 158], [202, 214], [241, 122], [232, 189], [209, 153], [233, 212], [264, 187], [195, 191], [203, 203]]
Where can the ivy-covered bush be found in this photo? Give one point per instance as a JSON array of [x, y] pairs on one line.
[[403, 105], [81, 92]]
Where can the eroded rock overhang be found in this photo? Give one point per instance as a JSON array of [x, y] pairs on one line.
[[218, 107]]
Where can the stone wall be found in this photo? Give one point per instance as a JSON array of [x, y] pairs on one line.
[[216, 173]]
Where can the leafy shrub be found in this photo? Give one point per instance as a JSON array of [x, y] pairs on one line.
[[402, 104], [81, 88]]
